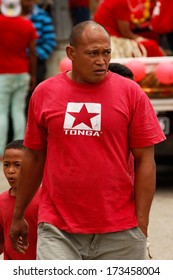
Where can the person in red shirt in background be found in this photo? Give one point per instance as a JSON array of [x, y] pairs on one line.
[[17, 68], [116, 16], [162, 20]]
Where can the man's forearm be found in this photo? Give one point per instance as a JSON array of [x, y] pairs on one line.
[[145, 181], [1, 246]]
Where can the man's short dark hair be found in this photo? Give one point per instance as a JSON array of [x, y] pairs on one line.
[[78, 30]]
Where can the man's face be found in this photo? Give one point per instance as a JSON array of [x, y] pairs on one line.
[[91, 56]]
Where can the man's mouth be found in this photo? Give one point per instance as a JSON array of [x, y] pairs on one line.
[[100, 71]]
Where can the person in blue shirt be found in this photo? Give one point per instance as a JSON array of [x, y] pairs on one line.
[[47, 40]]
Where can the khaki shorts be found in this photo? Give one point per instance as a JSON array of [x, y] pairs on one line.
[[54, 244]]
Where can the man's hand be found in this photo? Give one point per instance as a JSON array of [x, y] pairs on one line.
[[143, 228], [19, 235]]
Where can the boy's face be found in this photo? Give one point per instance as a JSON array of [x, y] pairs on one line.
[[12, 164]]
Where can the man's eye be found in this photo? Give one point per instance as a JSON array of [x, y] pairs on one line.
[[95, 53], [92, 53], [108, 52]]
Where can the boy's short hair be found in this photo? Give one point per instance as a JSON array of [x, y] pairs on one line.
[[120, 69], [16, 144]]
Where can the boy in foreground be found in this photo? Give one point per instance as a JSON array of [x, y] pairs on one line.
[[12, 160]]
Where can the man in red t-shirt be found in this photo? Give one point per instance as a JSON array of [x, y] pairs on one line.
[[82, 127]]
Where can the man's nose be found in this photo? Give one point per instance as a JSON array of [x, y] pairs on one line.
[[100, 59]]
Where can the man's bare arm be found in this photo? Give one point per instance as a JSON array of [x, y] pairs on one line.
[[1, 242], [145, 182]]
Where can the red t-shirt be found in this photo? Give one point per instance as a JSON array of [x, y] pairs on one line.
[[88, 130], [16, 35], [7, 203], [162, 18], [109, 12]]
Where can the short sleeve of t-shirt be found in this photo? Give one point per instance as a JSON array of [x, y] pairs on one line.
[[144, 128], [38, 138]]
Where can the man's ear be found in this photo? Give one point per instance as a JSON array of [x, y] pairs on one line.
[[70, 52]]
